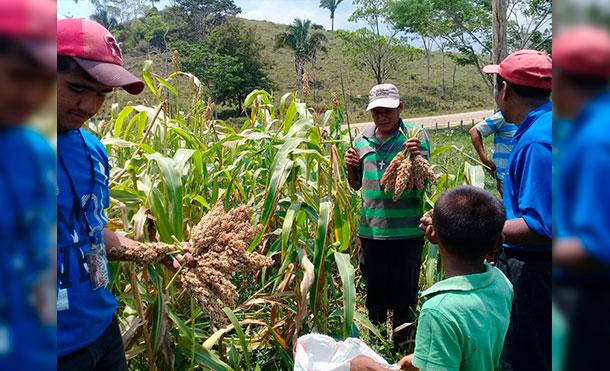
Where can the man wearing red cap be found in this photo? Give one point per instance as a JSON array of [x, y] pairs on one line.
[[523, 88], [581, 249], [27, 189], [89, 63]]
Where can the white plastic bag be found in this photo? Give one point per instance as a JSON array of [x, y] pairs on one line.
[[317, 352]]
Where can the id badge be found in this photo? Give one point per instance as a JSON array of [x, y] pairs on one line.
[[98, 266]]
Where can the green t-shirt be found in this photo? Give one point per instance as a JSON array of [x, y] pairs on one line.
[[463, 322], [380, 217]]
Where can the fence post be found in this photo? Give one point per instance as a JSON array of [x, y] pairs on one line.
[[436, 125], [472, 122], [462, 124], [448, 123]]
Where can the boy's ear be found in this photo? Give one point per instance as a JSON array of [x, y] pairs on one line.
[[431, 234]]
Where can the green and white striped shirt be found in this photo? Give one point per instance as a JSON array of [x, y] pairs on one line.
[[381, 218]]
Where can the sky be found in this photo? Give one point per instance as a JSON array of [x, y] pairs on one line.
[[277, 11]]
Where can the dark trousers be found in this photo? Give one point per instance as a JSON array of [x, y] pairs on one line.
[[390, 269], [528, 341], [586, 308], [105, 354]]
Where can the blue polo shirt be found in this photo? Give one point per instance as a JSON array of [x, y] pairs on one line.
[[83, 313], [27, 225], [582, 194], [528, 180]]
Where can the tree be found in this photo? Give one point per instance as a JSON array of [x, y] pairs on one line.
[[381, 55], [304, 42], [122, 10], [229, 63], [332, 6], [205, 15], [102, 17], [416, 17], [529, 23], [155, 31]]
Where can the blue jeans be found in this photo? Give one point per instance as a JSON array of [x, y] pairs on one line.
[[105, 354]]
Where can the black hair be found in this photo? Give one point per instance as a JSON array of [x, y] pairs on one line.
[[6, 45], [468, 222], [526, 92], [67, 64]]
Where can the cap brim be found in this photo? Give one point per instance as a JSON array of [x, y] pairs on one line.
[[43, 52], [384, 103], [112, 75], [492, 69]]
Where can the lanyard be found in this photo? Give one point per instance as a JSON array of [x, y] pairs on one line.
[[76, 200]]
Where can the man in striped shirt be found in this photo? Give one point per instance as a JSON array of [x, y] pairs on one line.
[[391, 241], [503, 144]]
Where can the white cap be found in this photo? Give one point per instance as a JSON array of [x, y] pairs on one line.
[[383, 95]]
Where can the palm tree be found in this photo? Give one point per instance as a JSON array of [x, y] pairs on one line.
[[305, 43], [332, 6]]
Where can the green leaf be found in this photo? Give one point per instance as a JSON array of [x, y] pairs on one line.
[[474, 175], [147, 76], [204, 357], [171, 173], [320, 254], [364, 321], [159, 306], [167, 85], [280, 168], [346, 271], [240, 334], [120, 120]]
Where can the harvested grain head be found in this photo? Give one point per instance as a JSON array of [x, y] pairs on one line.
[[403, 177], [218, 229], [422, 172], [220, 241], [392, 170]]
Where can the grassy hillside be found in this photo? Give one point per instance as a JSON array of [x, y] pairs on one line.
[[470, 92]]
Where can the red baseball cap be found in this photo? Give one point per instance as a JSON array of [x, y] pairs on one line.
[[31, 25], [583, 50], [525, 67], [95, 49]]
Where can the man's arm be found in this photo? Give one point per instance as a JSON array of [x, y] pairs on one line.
[[117, 247], [115, 244], [570, 254], [477, 141], [517, 232]]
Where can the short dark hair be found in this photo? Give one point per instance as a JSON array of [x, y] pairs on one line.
[[67, 64], [526, 92], [468, 222]]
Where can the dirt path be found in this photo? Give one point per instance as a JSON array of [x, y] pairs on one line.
[[431, 122]]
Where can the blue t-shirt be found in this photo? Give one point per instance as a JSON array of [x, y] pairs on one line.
[[82, 312], [582, 194], [528, 180], [27, 225], [503, 140]]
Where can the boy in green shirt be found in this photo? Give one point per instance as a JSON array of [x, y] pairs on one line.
[[464, 320]]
